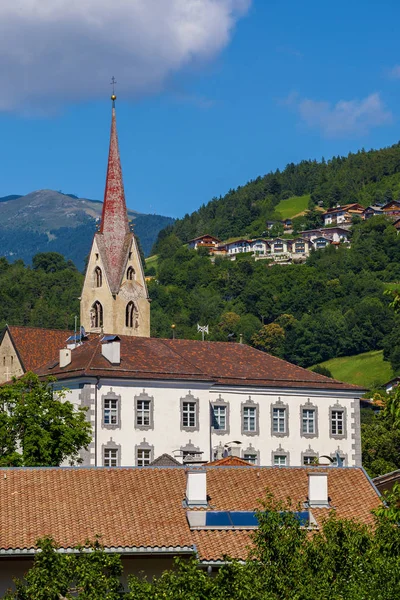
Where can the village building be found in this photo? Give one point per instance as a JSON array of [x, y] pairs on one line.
[[204, 241], [150, 515], [147, 397], [392, 209], [372, 211], [25, 349], [342, 214], [321, 242]]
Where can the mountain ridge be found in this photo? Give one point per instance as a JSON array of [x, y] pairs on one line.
[[50, 221]]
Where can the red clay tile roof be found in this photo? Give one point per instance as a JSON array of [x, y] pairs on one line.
[[230, 461], [36, 346], [216, 362], [142, 507]]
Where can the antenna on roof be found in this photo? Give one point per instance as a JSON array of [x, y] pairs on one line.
[[203, 329]]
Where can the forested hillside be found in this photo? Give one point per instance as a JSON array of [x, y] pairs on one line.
[[364, 177], [44, 295], [334, 305]]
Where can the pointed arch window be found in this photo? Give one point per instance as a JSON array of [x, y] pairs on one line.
[[96, 315], [131, 314], [130, 274], [98, 277]]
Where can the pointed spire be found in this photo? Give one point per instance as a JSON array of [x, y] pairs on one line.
[[114, 228], [114, 218]]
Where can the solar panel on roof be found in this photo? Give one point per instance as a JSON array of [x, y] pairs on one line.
[[110, 338], [303, 517], [246, 518], [218, 519]]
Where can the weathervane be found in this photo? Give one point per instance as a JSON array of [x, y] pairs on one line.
[[203, 329], [113, 83]]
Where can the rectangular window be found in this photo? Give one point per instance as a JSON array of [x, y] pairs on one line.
[[143, 457], [280, 460], [110, 411], [308, 420], [279, 420], [309, 460], [219, 417], [110, 457], [249, 418], [251, 458], [337, 425], [189, 414], [143, 412]]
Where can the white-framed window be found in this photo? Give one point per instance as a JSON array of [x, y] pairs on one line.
[[308, 421], [143, 412], [110, 411], [143, 457], [251, 458], [110, 457], [309, 460], [337, 422], [249, 418], [189, 414], [279, 420], [219, 417], [280, 460]]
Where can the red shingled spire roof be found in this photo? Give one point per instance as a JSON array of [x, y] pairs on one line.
[[114, 229]]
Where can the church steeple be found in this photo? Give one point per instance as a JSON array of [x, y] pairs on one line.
[[114, 219], [114, 296]]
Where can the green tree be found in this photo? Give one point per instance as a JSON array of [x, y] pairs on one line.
[[38, 427], [89, 575], [270, 339]]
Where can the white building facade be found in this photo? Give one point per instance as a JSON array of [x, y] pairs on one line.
[[135, 420]]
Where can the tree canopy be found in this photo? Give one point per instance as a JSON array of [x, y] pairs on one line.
[[39, 427]]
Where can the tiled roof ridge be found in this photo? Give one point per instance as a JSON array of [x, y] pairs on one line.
[[23, 327], [186, 467]]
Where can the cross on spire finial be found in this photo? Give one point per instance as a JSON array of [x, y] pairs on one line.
[[113, 83]]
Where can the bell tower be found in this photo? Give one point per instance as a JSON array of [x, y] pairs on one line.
[[114, 296]]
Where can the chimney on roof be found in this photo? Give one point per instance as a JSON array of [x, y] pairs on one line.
[[196, 487], [111, 349], [65, 357], [318, 490]]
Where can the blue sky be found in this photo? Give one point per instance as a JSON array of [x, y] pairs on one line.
[[260, 84]]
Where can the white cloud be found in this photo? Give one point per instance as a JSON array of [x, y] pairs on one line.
[[54, 51], [346, 117]]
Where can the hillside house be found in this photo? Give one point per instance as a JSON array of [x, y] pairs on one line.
[[321, 242], [372, 211], [236, 246], [392, 209], [204, 241], [259, 246], [334, 234], [205, 512], [342, 214], [300, 247], [280, 246]]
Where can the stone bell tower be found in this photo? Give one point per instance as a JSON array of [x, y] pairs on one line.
[[114, 296]]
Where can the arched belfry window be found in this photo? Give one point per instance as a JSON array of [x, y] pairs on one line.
[[130, 274], [98, 277], [96, 315], [131, 315]]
